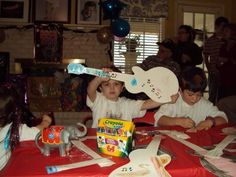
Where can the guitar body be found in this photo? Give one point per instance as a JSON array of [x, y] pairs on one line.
[[141, 163], [158, 83]]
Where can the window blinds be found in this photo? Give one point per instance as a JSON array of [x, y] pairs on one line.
[[146, 32]]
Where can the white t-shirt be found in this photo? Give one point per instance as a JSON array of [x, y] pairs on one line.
[[123, 108], [25, 132], [197, 112]]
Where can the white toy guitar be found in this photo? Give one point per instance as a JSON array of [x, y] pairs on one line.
[[145, 162], [158, 83]]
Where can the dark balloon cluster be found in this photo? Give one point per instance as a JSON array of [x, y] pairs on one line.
[[119, 27]]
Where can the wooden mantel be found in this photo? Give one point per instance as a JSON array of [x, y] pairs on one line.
[[28, 63]]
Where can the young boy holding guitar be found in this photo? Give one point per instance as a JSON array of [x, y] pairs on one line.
[[108, 103]]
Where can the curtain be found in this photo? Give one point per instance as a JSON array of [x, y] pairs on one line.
[[145, 8]]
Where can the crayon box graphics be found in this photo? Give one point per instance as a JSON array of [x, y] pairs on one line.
[[114, 137]]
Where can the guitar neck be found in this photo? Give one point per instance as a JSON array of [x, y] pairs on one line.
[[96, 72], [154, 145], [112, 75]]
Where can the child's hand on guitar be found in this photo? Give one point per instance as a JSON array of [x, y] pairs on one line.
[[107, 70], [174, 98], [104, 79]]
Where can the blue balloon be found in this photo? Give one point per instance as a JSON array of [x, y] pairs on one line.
[[112, 9], [120, 27]]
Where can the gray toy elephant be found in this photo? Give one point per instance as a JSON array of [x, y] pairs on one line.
[[59, 137]]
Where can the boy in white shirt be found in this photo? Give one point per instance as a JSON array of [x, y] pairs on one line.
[[191, 110], [109, 104]]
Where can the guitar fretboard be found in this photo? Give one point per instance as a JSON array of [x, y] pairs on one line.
[[96, 72]]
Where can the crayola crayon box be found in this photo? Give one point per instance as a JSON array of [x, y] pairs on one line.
[[114, 137]]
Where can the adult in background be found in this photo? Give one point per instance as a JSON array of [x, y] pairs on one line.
[[227, 60], [211, 50], [189, 54]]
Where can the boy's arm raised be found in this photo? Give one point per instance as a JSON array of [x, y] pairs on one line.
[[93, 85]]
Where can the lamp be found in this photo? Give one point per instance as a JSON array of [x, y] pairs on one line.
[[73, 60]]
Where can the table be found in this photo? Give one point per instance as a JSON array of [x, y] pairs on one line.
[[27, 161]]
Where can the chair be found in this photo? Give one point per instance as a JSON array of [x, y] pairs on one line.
[[146, 120]]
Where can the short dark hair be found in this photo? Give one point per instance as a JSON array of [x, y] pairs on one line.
[[114, 69], [220, 20], [190, 30], [193, 79]]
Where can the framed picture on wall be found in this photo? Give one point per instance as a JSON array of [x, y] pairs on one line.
[[4, 65], [14, 11], [48, 11], [88, 12], [48, 43]]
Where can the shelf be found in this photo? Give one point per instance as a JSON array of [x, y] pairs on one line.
[[29, 63]]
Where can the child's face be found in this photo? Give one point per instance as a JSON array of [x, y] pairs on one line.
[[191, 97], [111, 89]]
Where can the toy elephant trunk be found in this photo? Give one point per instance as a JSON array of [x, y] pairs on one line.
[[53, 137], [76, 132]]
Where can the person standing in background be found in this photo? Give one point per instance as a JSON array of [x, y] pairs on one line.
[[211, 49], [189, 54], [227, 62]]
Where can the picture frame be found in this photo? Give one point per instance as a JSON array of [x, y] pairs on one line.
[[51, 11], [48, 44], [88, 12], [4, 65], [14, 11]]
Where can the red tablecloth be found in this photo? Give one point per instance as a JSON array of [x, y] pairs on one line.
[[26, 160]]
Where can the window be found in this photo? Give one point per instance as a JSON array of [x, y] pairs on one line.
[[201, 17], [139, 43], [203, 23]]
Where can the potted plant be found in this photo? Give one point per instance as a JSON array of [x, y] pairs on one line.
[[132, 43]]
